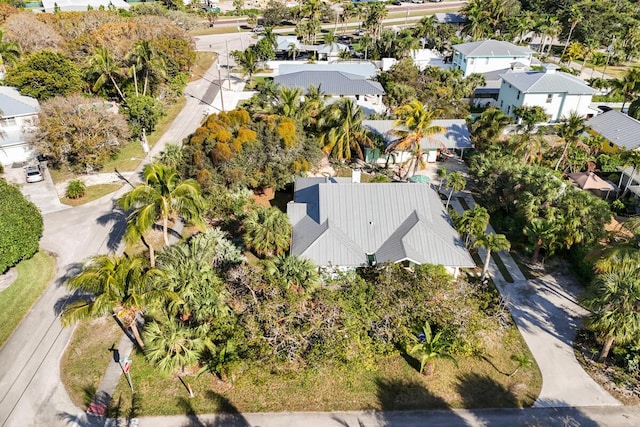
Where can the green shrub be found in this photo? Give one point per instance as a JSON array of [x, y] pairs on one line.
[[20, 227], [76, 189]]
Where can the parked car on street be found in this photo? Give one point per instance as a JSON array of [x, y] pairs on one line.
[[34, 173], [258, 29]]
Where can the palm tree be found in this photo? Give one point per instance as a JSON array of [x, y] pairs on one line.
[[615, 305], [412, 126], [477, 19], [489, 126], [473, 223], [9, 51], [628, 86], [576, 17], [491, 242], [162, 195], [172, 346], [428, 347], [343, 130], [145, 58], [267, 231], [122, 286], [247, 60], [570, 131], [541, 233], [293, 50], [455, 182], [523, 361], [105, 68], [289, 103], [292, 273]]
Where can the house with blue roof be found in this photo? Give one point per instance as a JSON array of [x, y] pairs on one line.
[[18, 116]]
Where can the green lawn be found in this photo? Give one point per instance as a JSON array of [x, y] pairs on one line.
[[93, 192], [392, 384], [15, 301]]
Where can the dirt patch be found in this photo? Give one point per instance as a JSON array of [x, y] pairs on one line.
[[8, 278], [264, 198]]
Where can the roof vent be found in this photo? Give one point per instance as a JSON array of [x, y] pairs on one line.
[[551, 68]]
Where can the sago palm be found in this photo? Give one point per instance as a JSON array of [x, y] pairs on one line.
[[427, 347]]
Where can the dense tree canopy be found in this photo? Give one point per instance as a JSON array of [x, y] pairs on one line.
[[20, 227], [80, 133]]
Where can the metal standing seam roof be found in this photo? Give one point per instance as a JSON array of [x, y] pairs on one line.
[[491, 48], [331, 82], [456, 133], [547, 82], [450, 18], [395, 222], [364, 69], [12, 104], [618, 128]]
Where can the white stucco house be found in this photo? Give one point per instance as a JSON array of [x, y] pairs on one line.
[[489, 55], [18, 115], [557, 92]]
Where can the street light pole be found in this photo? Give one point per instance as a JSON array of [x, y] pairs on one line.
[[221, 88]]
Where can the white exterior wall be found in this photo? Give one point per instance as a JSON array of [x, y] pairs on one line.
[[561, 104], [13, 144], [487, 64]]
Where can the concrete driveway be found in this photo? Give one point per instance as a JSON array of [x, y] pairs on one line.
[[43, 194]]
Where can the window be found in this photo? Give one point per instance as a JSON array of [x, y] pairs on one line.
[[508, 109], [518, 95], [486, 61], [8, 122], [471, 61], [500, 104], [549, 98]]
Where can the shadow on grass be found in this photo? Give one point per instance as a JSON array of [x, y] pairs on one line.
[[102, 409], [227, 414], [482, 391]]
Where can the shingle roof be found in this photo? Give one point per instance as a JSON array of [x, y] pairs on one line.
[[12, 104], [395, 222], [547, 82], [618, 128], [456, 133], [491, 48], [331, 82]]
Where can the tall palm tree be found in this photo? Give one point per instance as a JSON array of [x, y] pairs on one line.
[[412, 126], [343, 132], [293, 273], [289, 105], [570, 131], [161, 196], [575, 17], [477, 19], [9, 51], [427, 347], [628, 85], [455, 182], [247, 60], [491, 242], [145, 59], [615, 305], [267, 231], [473, 223], [105, 68], [119, 285]]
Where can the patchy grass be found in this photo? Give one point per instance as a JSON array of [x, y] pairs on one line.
[[93, 192], [255, 81], [15, 301], [172, 112], [394, 384], [86, 358], [204, 60]]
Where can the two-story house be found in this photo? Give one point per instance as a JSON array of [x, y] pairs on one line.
[[18, 114], [489, 55], [557, 92]]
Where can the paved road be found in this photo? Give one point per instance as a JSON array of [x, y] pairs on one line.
[[30, 390]]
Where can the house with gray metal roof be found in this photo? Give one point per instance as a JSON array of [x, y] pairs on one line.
[[488, 55], [621, 131], [455, 137], [347, 225], [82, 5], [335, 83], [19, 115], [559, 93], [365, 69]]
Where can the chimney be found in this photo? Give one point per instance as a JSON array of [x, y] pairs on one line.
[[518, 67], [550, 68]]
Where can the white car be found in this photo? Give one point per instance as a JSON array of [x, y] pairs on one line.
[[34, 173]]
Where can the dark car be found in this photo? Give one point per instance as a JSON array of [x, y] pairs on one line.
[[604, 108]]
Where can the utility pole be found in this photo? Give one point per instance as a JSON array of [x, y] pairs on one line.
[[609, 52], [226, 43], [221, 88]]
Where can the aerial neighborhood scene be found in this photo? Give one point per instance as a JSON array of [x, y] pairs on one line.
[[319, 213]]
